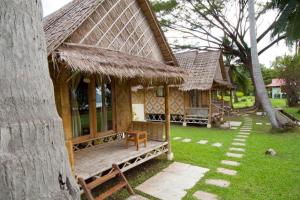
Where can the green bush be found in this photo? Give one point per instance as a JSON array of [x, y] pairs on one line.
[[239, 94]]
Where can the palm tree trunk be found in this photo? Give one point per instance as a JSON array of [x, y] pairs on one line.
[[33, 157], [257, 75]]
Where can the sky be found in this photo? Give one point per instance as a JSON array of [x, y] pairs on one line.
[[266, 58]]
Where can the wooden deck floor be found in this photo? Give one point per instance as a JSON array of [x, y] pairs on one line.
[[92, 161]]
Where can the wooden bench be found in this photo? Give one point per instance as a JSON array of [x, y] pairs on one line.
[[123, 183], [136, 137]]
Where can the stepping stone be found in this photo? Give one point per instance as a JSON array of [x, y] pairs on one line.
[[201, 195], [259, 123], [235, 123], [202, 142], [173, 182], [218, 182], [236, 149], [234, 155], [268, 124], [230, 163], [137, 197], [245, 130], [238, 144], [186, 140], [217, 144], [177, 138], [239, 140], [234, 128], [244, 133], [226, 171], [242, 136]]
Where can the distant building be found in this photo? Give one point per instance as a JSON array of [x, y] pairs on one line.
[[276, 88]]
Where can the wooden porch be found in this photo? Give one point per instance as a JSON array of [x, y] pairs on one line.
[[93, 161]]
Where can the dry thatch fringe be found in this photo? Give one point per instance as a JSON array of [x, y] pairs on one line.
[[90, 59]]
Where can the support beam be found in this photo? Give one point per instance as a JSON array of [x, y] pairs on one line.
[[67, 119], [210, 110], [167, 122], [92, 107]]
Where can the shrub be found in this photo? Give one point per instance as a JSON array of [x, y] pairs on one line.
[[239, 94]]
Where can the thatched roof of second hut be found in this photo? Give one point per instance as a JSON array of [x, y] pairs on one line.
[[204, 68]]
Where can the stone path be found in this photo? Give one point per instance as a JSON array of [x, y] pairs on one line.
[[226, 171], [230, 163], [173, 182], [202, 142], [218, 182], [201, 195], [217, 144], [137, 197], [236, 151], [186, 140]]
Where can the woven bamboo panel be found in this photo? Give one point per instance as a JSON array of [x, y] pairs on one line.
[[176, 101], [155, 130], [123, 106], [119, 25], [154, 104]]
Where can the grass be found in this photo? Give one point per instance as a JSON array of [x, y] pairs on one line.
[[259, 177], [248, 101]]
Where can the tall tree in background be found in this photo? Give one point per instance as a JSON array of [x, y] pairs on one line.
[[215, 25], [257, 75], [289, 19], [33, 158]]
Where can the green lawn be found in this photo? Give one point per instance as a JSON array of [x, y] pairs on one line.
[[248, 101], [259, 177]]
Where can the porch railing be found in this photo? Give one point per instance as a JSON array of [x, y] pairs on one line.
[[197, 112], [155, 130]]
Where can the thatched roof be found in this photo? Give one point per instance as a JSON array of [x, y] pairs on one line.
[[90, 59], [59, 25], [202, 68]]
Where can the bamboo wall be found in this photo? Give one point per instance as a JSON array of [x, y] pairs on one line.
[[123, 105], [179, 100], [119, 25], [156, 104]]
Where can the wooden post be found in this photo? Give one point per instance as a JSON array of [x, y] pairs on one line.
[[222, 109], [167, 121], [66, 116], [231, 103], [92, 107], [210, 110]]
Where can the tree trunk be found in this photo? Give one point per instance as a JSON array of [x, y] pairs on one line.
[[257, 75], [257, 103], [33, 158]]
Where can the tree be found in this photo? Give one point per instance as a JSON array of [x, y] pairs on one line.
[[212, 25], [288, 20], [33, 157], [257, 75], [289, 70]]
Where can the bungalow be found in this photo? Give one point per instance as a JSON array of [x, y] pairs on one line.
[[276, 88], [98, 50], [199, 100]]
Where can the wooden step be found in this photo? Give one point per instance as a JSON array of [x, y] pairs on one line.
[[112, 190], [101, 180]]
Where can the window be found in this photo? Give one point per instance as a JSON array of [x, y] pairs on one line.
[[104, 106], [160, 92], [80, 107]]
